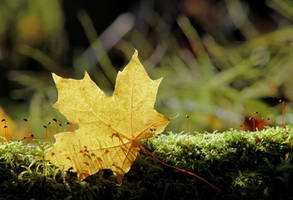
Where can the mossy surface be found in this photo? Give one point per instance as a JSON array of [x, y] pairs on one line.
[[244, 165]]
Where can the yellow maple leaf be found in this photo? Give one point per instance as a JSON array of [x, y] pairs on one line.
[[109, 127]]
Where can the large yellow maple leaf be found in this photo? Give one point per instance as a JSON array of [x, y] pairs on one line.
[[109, 127]]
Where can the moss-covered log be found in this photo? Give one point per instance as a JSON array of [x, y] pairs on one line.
[[244, 165]]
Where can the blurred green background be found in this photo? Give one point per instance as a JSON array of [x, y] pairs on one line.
[[221, 60]]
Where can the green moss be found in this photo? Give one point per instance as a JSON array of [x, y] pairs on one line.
[[232, 160]]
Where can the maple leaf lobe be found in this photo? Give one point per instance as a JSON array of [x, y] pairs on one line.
[[109, 127]]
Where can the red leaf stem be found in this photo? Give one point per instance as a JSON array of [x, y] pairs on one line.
[[179, 169]]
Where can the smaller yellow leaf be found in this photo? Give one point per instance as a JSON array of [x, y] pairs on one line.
[[8, 128]]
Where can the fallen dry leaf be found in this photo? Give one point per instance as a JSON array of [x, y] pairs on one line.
[[109, 127], [11, 130]]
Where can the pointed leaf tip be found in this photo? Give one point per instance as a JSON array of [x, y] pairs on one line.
[[55, 77], [86, 75], [135, 54]]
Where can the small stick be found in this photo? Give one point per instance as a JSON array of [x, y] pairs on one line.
[[187, 118], [46, 134], [283, 118], [60, 125], [32, 138], [28, 131], [286, 134], [253, 124], [291, 143], [70, 127], [258, 121], [3, 120], [283, 113], [268, 119], [51, 133], [4, 130], [56, 122], [6, 133]]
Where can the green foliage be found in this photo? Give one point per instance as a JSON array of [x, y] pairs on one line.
[[36, 22], [217, 91], [231, 160], [210, 77]]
